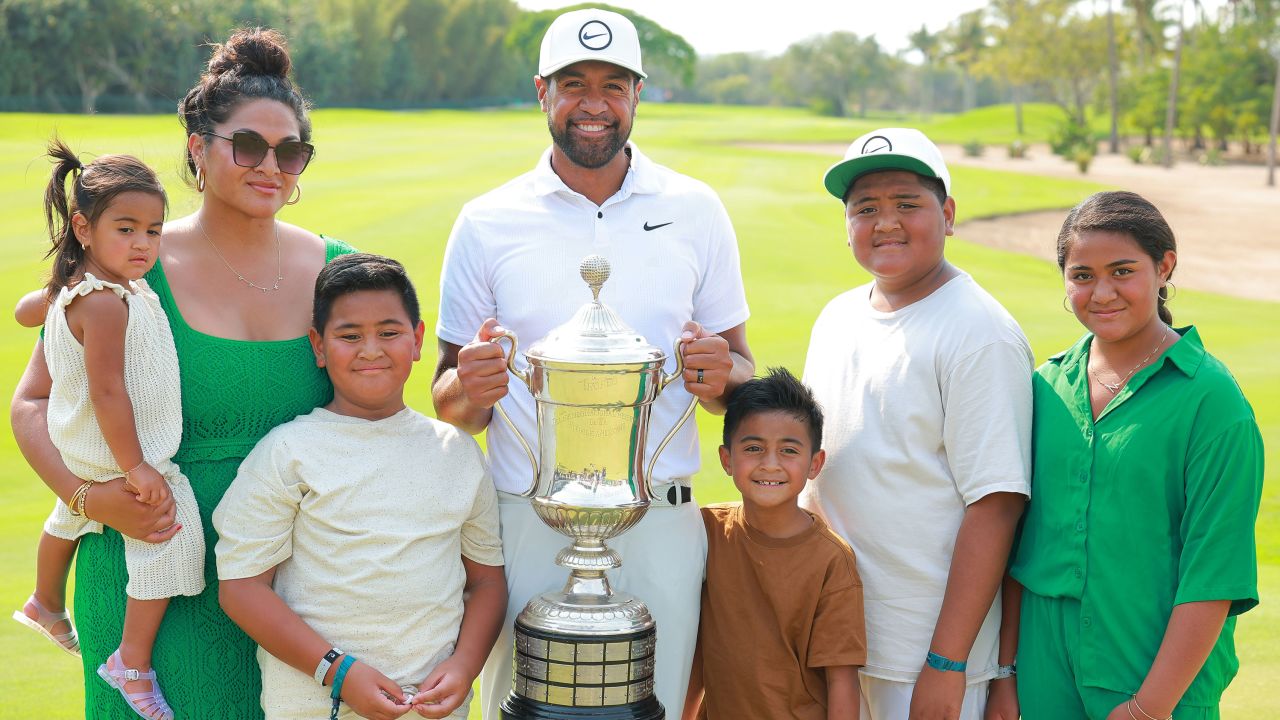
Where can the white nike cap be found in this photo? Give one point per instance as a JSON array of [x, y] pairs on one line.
[[590, 34], [887, 149]]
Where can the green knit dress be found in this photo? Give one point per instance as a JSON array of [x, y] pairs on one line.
[[233, 392]]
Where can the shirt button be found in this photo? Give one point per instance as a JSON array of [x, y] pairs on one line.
[[600, 215], [1080, 526], [1084, 477], [1078, 572], [1086, 622]]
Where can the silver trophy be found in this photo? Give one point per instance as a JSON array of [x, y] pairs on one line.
[[588, 651]]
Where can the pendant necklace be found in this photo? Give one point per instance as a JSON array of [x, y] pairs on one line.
[[1114, 388], [242, 278]]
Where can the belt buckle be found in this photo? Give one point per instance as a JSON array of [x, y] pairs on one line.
[[678, 494]]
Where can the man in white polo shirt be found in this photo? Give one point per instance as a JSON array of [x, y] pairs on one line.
[[512, 262]]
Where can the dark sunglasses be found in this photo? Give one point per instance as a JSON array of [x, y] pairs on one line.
[[248, 149]]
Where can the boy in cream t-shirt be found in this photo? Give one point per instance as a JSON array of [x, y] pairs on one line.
[[351, 535]]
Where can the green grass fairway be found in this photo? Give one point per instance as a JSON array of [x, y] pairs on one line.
[[393, 182]]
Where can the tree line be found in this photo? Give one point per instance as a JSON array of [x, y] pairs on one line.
[[143, 55], [1159, 68]]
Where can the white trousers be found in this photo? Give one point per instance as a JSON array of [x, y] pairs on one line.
[[891, 700], [663, 559]]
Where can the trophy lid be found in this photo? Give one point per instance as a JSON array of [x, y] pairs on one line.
[[595, 334]]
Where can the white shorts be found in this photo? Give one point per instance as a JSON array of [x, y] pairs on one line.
[[891, 700], [663, 559]]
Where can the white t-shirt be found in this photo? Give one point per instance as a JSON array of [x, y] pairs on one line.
[[927, 409], [366, 523], [514, 255]]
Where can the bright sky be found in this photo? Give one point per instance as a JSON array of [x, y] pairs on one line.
[[720, 26]]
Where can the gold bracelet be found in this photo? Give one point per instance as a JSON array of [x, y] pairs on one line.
[[1128, 705], [76, 506], [1145, 714], [84, 501], [135, 469]]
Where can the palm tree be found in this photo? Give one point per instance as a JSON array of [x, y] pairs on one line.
[[1171, 107], [966, 40], [928, 44], [1113, 72]]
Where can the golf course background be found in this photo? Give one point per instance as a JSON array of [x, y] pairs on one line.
[[393, 182]]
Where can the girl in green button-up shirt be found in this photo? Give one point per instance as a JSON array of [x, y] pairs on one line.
[[1137, 550]]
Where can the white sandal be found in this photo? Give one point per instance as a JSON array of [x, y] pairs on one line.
[[44, 625]]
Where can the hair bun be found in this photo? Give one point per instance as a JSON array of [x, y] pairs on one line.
[[252, 51]]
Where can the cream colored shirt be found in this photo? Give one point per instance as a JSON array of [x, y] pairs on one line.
[[366, 523]]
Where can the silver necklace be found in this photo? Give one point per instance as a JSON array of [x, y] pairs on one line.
[[1115, 388], [241, 278]]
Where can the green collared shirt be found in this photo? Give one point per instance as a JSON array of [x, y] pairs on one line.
[[1151, 505]]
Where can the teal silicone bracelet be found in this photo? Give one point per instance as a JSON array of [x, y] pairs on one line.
[[338, 677], [938, 662]]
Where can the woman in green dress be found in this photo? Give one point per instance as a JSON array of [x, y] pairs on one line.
[[236, 284]]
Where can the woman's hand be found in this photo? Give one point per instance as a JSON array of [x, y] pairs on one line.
[[113, 504], [108, 503]]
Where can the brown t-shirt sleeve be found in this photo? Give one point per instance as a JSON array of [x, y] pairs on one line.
[[838, 635]]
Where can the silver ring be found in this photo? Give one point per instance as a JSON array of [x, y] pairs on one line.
[[699, 376]]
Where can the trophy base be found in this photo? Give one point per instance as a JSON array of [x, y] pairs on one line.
[[518, 708], [588, 671]]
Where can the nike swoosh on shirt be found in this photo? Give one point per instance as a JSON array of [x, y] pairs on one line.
[[647, 226]]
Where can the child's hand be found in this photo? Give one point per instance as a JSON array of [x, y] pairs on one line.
[[366, 691], [443, 691], [148, 485]]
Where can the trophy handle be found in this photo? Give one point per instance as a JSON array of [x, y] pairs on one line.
[[688, 413], [524, 378]]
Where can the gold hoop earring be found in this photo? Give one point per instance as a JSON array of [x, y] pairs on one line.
[[1064, 304], [1173, 291], [297, 195], [199, 180]]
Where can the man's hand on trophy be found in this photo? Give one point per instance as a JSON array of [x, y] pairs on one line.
[[706, 362], [444, 691], [482, 367]]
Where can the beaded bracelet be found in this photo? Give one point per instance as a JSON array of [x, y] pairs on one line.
[[76, 506], [338, 677]]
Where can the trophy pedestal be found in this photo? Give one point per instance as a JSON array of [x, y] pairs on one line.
[[584, 656]]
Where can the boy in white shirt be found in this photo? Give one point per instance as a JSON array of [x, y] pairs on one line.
[[926, 381], [364, 526]]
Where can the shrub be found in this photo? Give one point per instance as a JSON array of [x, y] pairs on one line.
[[1211, 157], [1082, 157], [1135, 153], [1017, 150], [1068, 136], [973, 148]]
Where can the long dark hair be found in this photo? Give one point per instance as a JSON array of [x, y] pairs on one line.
[[94, 187], [253, 63], [1128, 213]]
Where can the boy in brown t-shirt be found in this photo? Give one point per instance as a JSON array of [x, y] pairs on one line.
[[782, 633]]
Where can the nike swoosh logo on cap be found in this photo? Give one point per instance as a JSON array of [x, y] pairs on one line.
[[592, 37]]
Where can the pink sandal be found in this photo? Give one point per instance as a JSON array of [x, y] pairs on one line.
[[44, 625], [150, 705]]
